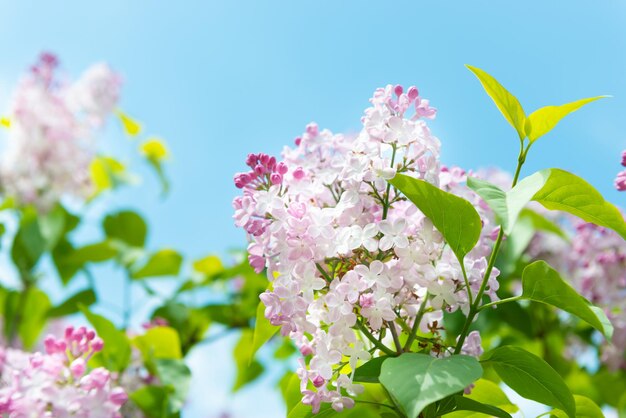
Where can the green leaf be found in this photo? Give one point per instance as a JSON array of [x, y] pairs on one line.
[[555, 189], [159, 343], [52, 226], [116, 352], [263, 330], [164, 262], [486, 392], [508, 104], [455, 218], [209, 265], [152, 400], [130, 125], [71, 305], [569, 193], [191, 323], [126, 226], [290, 390], [462, 403], [92, 253], [543, 120], [107, 173], [417, 380], [33, 316], [541, 283], [541, 223], [369, 371], [29, 244], [585, 408], [175, 374], [247, 371], [531, 377]]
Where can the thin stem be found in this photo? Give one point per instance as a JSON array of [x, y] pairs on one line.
[[377, 403], [467, 284], [382, 347], [416, 324], [475, 307], [499, 302], [128, 309], [386, 202], [394, 334], [321, 270]]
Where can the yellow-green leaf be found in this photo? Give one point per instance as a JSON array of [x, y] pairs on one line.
[[159, 343], [5, 121], [585, 408], [208, 265], [130, 125], [543, 120], [107, 173], [155, 149], [508, 104]]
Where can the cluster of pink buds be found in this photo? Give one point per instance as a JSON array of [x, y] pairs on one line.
[[78, 345], [620, 180], [265, 172], [57, 383], [403, 101]]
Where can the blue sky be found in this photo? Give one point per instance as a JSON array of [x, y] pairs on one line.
[[219, 79]]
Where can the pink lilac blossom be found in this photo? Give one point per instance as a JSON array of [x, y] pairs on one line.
[[50, 143], [620, 180], [57, 383], [345, 252]]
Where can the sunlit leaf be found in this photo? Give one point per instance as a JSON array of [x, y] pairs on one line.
[[585, 408], [131, 126], [542, 283], [71, 305], [508, 104], [164, 262], [531, 377], [543, 120], [455, 218]]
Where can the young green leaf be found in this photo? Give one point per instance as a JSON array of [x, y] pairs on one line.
[[159, 343], [585, 408], [162, 263], [153, 401], [247, 371], [263, 330], [543, 120], [417, 380], [508, 104], [455, 218], [541, 283], [555, 189], [531, 377], [569, 193]]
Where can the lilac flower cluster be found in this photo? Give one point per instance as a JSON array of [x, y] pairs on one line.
[[57, 383], [52, 123], [352, 264]]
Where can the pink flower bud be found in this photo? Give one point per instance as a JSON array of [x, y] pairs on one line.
[[78, 367], [251, 160], [91, 334], [282, 168], [97, 344], [312, 129], [398, 90], [298, 141], [50, 344], [624, 158], [306, 350], [298, 173], [318, 381], [412, 93], [259, 169], [276, 178], [118, 396]]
